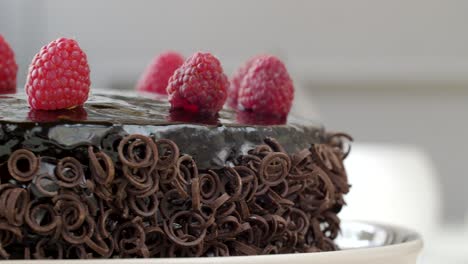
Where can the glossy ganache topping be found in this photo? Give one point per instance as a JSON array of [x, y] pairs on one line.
[[211, 142]]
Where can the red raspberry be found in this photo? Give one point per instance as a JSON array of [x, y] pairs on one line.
[[233, 91], [154, 79], [8, 68], [267, 88], [199, 85], [58, 77]]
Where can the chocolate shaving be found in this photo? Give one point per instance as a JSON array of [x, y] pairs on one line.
[[23, 165], [69, 172], [141, 197]]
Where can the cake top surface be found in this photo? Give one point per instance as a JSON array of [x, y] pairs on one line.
[[125, 108], [211, 144]]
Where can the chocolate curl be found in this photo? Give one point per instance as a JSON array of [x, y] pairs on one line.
[[186, 169], [138, 151], [101, 166], [274, 168], [106, 224], [144, 207], [282, 189], [171, 203], [341, 142], [42, 218], [228, 226], [140, 178], [130, 239], [23, 165], [314, 235], [79, 235], [104, 247], [210, 186], [250, 161], [261, 150], [249, 182], [156, 241], [216, 249], [77, 252], [150, 187], [297, 220], [8, 235], [232, 183], [243, 249], [328, 245], [176, 251], [330, 162], [195, 191], [69, 172], [71, 209], [270, 250], [169, 153], [274, 145], [169, 175], [258, 232], [13, 202], [331, 226], [46, 249], [186, 229], [318, 195], [301, 165], [278, 225], [46, 185]]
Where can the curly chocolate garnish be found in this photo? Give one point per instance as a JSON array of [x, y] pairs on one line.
[[338, 140], [249, 182], [101, 166], [190, 228], [168, 153], [139, 178], [232, 183], [274, 168], [69, 172], [140, 151], [77, 252], [13, 202], [210, 186], [130, 239], [186, 169], [216, 249], [46, 185], [23, 165], [42, 218], [47, 249], [8, 235], [144, 207], [71, 209], [143, 198], [156, 241]]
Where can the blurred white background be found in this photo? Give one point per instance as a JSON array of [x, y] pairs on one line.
[[391, 73]]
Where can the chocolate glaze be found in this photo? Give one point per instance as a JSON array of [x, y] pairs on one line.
[[106, 114]]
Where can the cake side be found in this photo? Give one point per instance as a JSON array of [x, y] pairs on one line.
[[146, 198]]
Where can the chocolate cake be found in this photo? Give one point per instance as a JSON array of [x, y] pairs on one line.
[[122, 176]]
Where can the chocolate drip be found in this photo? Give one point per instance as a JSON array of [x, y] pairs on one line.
[[143, 197]]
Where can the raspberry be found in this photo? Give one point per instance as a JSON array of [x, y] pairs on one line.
[[233, 91], [154, 79], [58, 77], [199, 85], [267, 88], [8, 68]]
